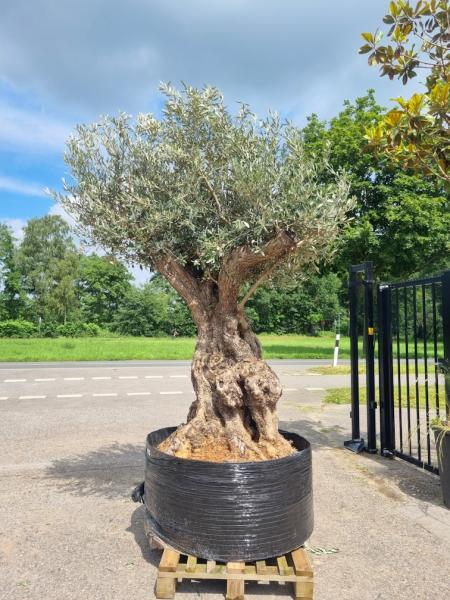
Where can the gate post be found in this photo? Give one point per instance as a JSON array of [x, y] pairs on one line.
[[353, 294], [371, 404], [446, 336], [385, 357]]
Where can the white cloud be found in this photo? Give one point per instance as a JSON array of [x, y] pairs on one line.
[[101, 57], [21, 187], [31, 130], [17, 226]]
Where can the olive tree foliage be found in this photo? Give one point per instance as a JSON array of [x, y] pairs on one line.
[[198, 184], [216, 203]]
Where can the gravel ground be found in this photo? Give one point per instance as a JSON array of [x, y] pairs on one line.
[[69, 530]]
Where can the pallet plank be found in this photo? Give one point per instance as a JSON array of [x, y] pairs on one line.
[[165, 587], [191, 564], [261, 567], [169, 560], [302, 564], [236, 573], [283, 567], [235, 567], [303, 590], [235, 589]]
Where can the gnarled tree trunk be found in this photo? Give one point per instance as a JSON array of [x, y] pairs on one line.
[[234, 414]]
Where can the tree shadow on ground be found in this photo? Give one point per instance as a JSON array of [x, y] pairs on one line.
[[411, 480], [110, 471]]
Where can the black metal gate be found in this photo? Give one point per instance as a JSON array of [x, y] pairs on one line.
[[413, 327]]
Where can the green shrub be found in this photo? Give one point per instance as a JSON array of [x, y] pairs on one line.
[[91, 329], [48, 330], [78, 330], [17, 329], [70, 330]]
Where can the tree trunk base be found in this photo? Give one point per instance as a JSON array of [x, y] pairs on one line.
[[233, 417], [219, 448]]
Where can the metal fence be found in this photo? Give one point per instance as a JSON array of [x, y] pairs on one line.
[[413, 327]]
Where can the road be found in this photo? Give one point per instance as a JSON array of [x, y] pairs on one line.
[[47, 381], [71, 449]]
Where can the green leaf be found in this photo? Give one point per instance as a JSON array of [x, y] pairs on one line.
[[365, 49], [368, 37]]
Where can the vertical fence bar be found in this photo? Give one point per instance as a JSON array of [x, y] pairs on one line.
[[371, 404], [425, 360], [416, 374], [399, 369], [446, 335], [387, 430], [353, 296], [435, 347], [408, 397]]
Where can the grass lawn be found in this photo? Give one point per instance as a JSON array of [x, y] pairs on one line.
[[345, 369], [343, 396], [164, 348]]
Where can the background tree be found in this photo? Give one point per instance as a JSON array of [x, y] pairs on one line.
[[46, 257], [415, 132], [143, 311], [401, 220], [302, 308], [11, 294], [103, 284], [215, 204]]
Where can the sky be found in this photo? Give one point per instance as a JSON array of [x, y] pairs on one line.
[[63, 62]]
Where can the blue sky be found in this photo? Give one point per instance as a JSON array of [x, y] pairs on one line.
[[68, 62]]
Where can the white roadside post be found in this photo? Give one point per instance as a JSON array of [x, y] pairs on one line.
[[336, 344]]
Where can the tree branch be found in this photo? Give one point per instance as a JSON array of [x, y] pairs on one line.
[[183, 282], [244, 260], [264, 275], [214, 195]]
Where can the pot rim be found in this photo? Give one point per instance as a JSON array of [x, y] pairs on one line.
[[159, 454]]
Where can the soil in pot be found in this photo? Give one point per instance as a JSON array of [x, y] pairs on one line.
[[218, 449]]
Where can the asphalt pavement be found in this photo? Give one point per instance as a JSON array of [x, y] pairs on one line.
[[71, 450]]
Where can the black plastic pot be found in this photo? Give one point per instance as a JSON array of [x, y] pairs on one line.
[[229, 511], [442, 438]]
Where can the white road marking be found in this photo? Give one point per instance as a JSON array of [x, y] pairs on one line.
[[290, 389], [73, 378], [128, 376], [30, 397], [3, 397], [314, 389], [138, 393], [153, 377], [167, 393], [106, 394], [69, 395], [177, 376], [13, 380], [101, 378], [46, 379]]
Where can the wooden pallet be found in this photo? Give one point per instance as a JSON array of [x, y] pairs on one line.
[[294, 567]]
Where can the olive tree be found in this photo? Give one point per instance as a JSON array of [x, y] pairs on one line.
[[216, 203]]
